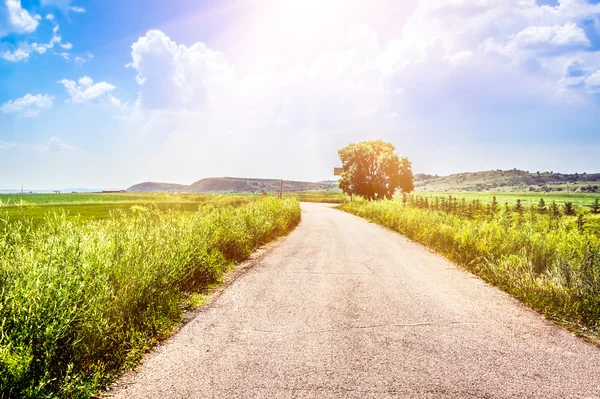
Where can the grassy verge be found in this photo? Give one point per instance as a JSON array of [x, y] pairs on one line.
[[81, 301], [551, 264], [332, 197]]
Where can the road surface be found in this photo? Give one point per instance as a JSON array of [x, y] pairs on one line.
[[343, 308]]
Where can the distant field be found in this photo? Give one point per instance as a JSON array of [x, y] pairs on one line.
[[527, 198], [333, 197], [87, 207]]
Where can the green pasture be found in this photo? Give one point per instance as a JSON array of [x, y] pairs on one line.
[[527, 198], [87, 207]]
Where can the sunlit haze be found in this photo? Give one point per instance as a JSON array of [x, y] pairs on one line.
[[106, 94]]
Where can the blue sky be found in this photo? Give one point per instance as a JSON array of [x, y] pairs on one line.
[[105, 93]]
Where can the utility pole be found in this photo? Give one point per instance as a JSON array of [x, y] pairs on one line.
[[280, 188]]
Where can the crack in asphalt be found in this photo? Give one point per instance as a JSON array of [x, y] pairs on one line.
[[343, 328]]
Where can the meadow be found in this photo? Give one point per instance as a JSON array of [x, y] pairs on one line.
[[547, 259], [527, 198], [34, 208], [83, 294], [332, 197]]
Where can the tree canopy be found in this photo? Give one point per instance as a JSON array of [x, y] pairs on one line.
[[373, 170]]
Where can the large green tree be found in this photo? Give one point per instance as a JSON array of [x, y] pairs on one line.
[[373, 170]]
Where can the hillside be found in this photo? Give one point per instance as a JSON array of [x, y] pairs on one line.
[[233, 185], [151, 187], [492, 180], [508, 180]]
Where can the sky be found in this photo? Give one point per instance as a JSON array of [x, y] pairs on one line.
[[107, 93]]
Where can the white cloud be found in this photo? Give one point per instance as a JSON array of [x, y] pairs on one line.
[[24, 50], [574, 75], [82, 59], [17, 55], [19, 18], [85, 91], [569, 35], [29, 105], [77, 9], [182, 75], [56, 144], [593, 83]]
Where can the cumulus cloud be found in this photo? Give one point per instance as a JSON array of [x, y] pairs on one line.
[[176, 76], [77, 9], [574, 75], [24, 50], [56, 144], [543, 37], [20, 54], [29, 105], [593, 83], [19, 19], [86, 91]]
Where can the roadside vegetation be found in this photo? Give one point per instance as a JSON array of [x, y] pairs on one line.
[[547, 253], [81, 299], [332, 197]]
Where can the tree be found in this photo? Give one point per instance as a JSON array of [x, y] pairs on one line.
[[596, 207], [569, 209], [519, 207], [555, 210], [494, 206], [373, 170], [542, 207]]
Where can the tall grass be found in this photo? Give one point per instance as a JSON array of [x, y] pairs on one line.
[[551, 265], [78, 302]]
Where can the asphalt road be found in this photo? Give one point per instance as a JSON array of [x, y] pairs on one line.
[[346, 309]]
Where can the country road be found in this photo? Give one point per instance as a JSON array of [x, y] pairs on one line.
[[343, 308]]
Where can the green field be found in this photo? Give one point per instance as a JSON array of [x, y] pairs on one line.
[[333, 197], [86, 207], [528, 198], [83, 297]]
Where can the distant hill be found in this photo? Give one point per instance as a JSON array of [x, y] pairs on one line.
[[491, 180], [233, 185], [508, 180], [151, 187]]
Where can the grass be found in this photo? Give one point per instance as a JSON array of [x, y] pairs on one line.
[[333, 197], [550, 263], [86, 207], [83, 299], [528, 198]]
